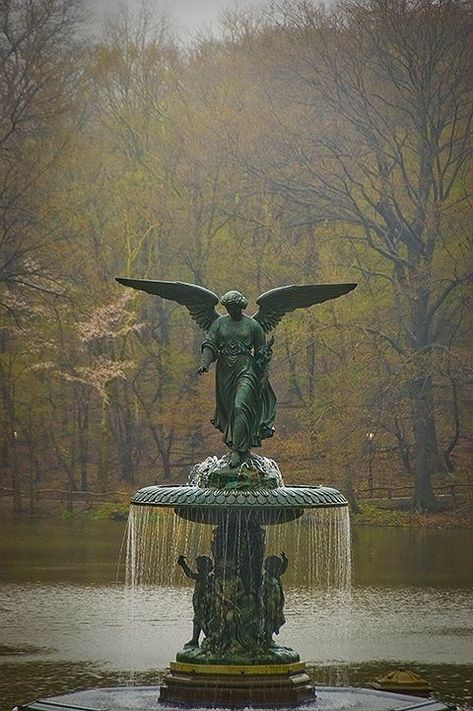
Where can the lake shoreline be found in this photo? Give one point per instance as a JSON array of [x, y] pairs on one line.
[[370, 515]]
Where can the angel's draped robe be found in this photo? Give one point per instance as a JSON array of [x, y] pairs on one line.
[[245, 401]]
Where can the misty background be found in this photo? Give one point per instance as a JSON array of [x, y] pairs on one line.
[[297, 143], [188, 17]]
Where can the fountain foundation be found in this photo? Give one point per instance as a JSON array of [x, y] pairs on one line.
[[233, 686], [143, 698]]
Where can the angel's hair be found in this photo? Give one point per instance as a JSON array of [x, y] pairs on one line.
[[234, 297]]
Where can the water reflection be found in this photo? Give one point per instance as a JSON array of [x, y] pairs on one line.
[[415, 557], [64, 618]]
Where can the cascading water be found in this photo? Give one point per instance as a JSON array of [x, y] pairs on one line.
[[317, 543], [254, 540]]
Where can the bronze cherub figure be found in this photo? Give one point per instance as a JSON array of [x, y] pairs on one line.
[[245, 401]]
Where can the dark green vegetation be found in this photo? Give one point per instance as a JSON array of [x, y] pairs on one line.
[[304, 147]]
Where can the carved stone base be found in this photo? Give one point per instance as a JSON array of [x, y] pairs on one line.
[[235, 686], [274, 655]]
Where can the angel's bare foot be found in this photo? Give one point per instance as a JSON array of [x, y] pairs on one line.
[[234, 459], [237, 458]]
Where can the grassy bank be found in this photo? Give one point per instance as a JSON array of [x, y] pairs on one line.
[[370, 515]]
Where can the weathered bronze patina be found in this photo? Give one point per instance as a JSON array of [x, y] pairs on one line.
[[245, 401], [232, 657], [238, 598], [240, 606]]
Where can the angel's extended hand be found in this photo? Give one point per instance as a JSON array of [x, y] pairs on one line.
[[207, 357]]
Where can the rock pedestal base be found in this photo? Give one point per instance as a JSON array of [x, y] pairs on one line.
[[217, 685]]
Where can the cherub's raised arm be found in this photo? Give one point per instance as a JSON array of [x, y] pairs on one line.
[[285, 563], [187, 571]]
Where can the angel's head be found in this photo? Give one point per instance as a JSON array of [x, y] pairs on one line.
[[234, 302]]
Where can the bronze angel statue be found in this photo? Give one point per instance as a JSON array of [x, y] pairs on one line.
[[245, 401]]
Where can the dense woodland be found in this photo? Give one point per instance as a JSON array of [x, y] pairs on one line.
[[301, 145]]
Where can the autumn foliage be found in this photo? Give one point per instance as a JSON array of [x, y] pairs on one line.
[[300, 146]]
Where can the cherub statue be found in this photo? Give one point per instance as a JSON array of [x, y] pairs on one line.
[[229, 594], [245, 401], [273, 596], [203, 594]]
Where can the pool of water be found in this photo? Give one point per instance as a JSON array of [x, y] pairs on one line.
[[66, 621]]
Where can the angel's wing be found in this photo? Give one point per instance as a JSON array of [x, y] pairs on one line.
[[199, 302], [274, 304]]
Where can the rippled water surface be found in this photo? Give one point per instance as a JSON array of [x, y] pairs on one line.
[[66, 621]]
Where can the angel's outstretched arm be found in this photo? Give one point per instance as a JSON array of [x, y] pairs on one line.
[[209, 349], [207, 358]]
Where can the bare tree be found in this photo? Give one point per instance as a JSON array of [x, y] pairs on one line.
[[39, 72], [386, 88]]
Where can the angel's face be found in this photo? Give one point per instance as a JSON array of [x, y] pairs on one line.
[[234, 310]]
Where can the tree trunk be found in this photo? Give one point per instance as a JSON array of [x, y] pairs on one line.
[[84, 482], [426, 450], [34, 470], [349, 491], [456, 435], [425, 446], [15, 475], [403, 446], [166, 462], [104, 448], [125, 426], [17, 507], [82, 426], [14, 465]]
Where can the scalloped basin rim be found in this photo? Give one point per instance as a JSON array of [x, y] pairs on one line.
[[196, 497]]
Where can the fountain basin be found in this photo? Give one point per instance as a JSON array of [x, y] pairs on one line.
[[144, 698], [268, 506]]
